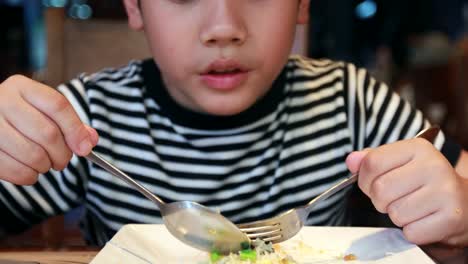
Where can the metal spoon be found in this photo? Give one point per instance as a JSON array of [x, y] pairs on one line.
[[190, 222]]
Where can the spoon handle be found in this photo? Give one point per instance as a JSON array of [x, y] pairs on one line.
[[97, 159]]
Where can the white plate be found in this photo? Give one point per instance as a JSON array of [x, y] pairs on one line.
[[323, 245]]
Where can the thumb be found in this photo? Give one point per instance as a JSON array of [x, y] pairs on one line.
[[93, 137], [354, 159], [89, 139], [83, 140]]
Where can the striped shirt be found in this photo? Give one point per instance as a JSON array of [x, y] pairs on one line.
[[280, 153]]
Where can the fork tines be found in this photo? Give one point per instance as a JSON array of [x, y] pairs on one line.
[[267, 233]]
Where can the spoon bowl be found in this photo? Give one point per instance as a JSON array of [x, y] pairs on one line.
[[190, 222], [203, 228]]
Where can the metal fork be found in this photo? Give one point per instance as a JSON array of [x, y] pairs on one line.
[[284, 226]]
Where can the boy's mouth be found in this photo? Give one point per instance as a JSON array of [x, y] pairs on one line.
[[224, 66], [227, 71], [224, 75]]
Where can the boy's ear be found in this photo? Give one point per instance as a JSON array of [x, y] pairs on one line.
[[135, 19], [303, 14]]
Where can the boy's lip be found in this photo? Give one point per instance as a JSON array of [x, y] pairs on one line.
[[225, 74], [224, 65]]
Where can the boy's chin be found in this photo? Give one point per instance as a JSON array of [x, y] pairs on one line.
[[225, 109]]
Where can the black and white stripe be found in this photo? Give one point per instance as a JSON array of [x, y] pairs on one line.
[[251, 171]]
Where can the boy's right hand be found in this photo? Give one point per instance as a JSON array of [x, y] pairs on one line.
[[39, 131]]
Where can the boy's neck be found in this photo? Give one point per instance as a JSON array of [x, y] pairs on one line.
[[180, 115]]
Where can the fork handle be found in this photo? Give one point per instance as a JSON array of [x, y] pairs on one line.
[[337, 187]]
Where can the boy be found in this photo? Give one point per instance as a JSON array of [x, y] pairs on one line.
[[222, 116]]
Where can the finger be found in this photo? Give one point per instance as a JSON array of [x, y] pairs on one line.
[[413, 207], [381, 160], [354, 159], [394, 185], [43, 131], [93, 135], [16, 172], [56, 107], [430, 229], [22, 149]]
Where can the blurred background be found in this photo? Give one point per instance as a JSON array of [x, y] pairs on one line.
[[418, 47]]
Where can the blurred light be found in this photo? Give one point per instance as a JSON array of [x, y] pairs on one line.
[[77, 9], [84, 12], [80, 11], [54, 3], [366, 9], [35, 34]]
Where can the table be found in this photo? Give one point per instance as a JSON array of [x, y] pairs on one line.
[[47, 257], [446, 255], [441, 255]]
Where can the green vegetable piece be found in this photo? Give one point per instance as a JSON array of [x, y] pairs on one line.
[[245, 245], [248, 254], [215, 256]]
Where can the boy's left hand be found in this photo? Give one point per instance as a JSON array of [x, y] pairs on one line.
[[417, 187]]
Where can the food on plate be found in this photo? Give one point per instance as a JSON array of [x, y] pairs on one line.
[[259, 253], [265, 253], [350, 257]]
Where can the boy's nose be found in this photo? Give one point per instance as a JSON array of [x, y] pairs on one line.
[[223, 27]]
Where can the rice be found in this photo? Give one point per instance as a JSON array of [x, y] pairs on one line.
[[264, 254]]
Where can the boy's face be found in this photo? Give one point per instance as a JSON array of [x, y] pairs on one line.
[[218, 56]]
